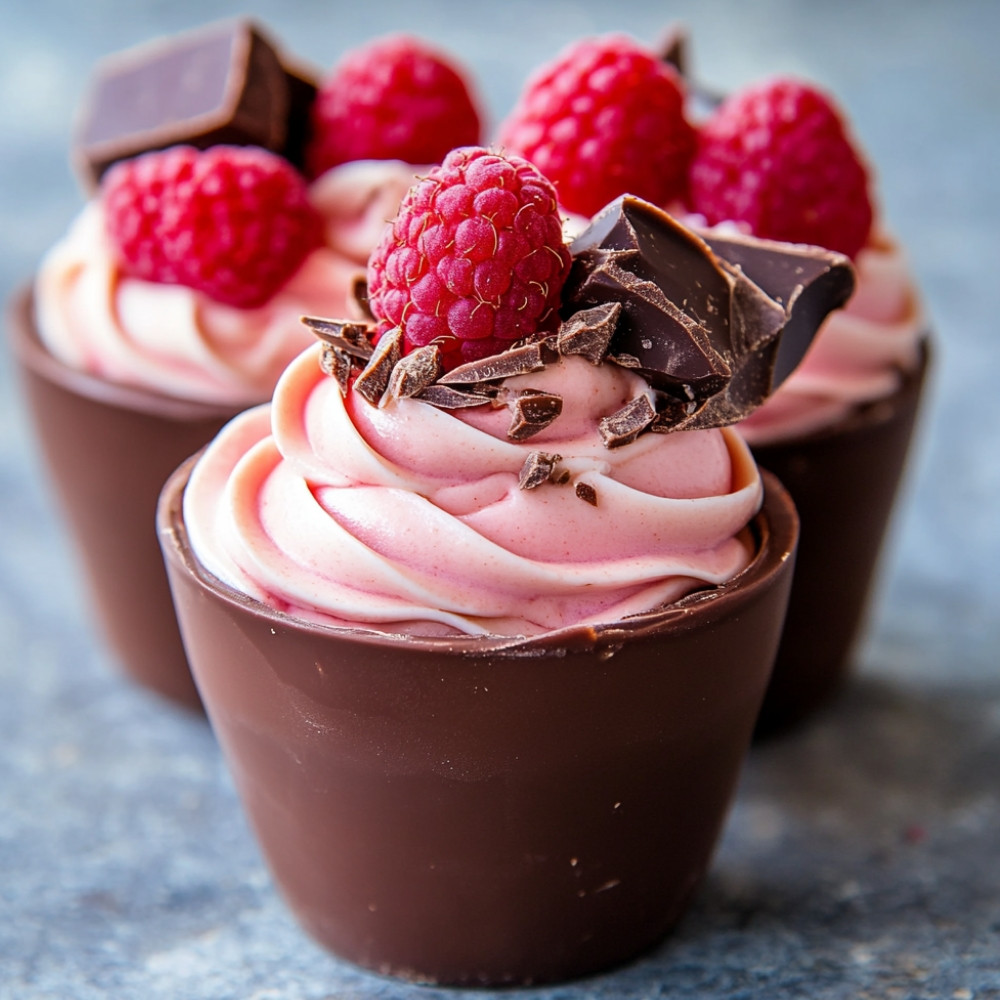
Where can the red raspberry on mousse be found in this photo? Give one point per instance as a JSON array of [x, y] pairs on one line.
[[777, 156], [475, 259], [604, 118], [395, 98], [234, 222]]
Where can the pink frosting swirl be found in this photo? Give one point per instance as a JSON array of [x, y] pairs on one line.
[[408, 518], [180, 342], [859, 356]]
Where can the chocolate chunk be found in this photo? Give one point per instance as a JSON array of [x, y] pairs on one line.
[[359, 293], [344, 334], [224, 83], [699, 328], [415, 372], [673, 48], [589, 331], [808, 282], [626, 424], [302, 89], [533, 411], [374, 378], [337, 364], [537, 469], [587, 492], [520, 360], [447, 398]]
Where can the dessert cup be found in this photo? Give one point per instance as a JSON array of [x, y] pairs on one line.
[[477, 810], [108, 449], [844, 480]]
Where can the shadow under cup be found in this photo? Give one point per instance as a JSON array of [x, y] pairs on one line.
[[108, 449], [482, 810]]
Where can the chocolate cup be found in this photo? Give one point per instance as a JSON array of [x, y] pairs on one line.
[[108, 449], [844, 482], [486, 810]]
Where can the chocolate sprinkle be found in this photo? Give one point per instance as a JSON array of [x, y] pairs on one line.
[[626, 424], [374, 379], [351, 337], [587, 492], [533, 411], [589, 332], [517, 361], [446, 398], [537, 469], [415, 372]]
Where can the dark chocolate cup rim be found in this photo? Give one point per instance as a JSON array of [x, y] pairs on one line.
[[775, 529], [35, 356], [862, 414]]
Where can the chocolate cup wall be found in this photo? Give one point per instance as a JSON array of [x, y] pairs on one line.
[[486, 810], [844, 483], [108, 449]]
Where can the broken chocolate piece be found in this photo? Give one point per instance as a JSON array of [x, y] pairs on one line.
[[338, 364], [589, 331], [537, 469], [359, 294], [352, 338], [415, 372], [374, 378], [303, 85], [520, 360], [446, 398], [625, 425], [701, 330], [223, 83], [808, 282], [587, 492], [533, 411]]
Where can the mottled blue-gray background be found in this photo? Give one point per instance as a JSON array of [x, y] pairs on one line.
[[861, 859]]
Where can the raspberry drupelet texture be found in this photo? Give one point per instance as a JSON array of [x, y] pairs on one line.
[[777, 157], [475, 259], [234, 222], [604, 118], [393, 99]]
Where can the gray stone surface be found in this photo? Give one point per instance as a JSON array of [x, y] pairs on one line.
[[862, 858]]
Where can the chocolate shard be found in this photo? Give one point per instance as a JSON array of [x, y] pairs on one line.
[[359, 294], [521, 360], [673, 48], [374, 378], [303, 85], [587, 493], [415, 372], [589, 331], [222, 83], [533, 410], [625, 425], [808, 282], [699, 328], [346, 335], [446, 398], [537, 469], [337, 364]]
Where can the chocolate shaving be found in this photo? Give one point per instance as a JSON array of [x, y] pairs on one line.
[[537, 469], [415, 372], [626, 424], [338, 364], [446, 398], [374, 378], [587, 492], [517, 361], [589, 332], [346, 335], [533, 410]]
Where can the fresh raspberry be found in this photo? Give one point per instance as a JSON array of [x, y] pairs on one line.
[[605, 118], [474, 260], [393, 99], [777, 156], [233, 222]]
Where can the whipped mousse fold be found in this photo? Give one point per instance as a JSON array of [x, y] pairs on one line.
[[548, 486]]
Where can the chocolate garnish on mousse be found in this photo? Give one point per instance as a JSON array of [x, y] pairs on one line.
[[702, 331], [538, 468], [224, 83]]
